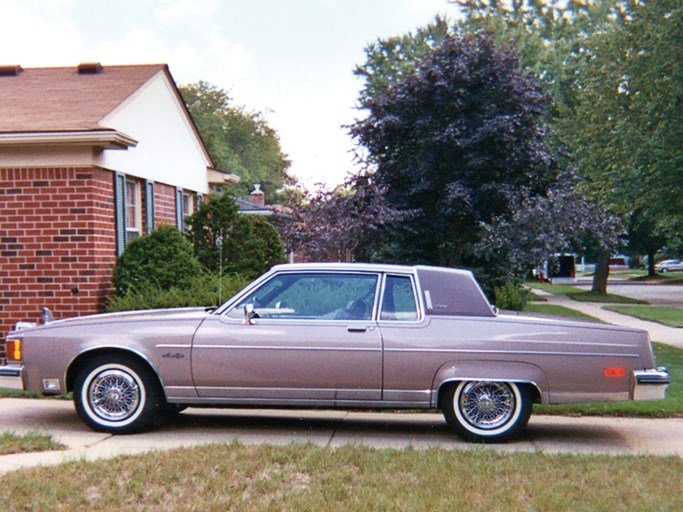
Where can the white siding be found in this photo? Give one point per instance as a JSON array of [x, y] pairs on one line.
[[168, 150]]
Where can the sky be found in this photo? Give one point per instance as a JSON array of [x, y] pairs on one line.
[[291, 60]]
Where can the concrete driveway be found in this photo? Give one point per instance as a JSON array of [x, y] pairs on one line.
[[547, 434]]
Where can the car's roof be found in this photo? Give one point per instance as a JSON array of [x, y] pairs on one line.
[[363, 267]]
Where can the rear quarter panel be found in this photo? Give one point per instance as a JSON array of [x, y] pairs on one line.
[[566, 360]]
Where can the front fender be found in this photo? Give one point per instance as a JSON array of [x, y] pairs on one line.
[[518, 372]]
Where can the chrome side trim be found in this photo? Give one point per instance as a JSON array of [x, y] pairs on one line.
[[249, 402], [570, 397], [521, 352], [297, 394], [276, 347]]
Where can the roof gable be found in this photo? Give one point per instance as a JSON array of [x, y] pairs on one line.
[[62, 99]]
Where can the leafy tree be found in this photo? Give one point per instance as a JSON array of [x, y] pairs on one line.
[[161, 260], [344, 224], [240, 142], [392, 59], [626, 130], [613, 69], [563, 220], [454, 142], [226, 241]]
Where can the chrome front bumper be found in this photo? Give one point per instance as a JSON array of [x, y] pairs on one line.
[[11, 377], [651, 384]]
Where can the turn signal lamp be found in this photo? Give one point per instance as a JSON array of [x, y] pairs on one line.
[[13, 350]]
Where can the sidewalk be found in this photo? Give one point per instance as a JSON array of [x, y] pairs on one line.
[[658, 332], [325, 428]]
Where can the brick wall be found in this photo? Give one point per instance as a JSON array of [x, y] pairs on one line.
[[57, 243]]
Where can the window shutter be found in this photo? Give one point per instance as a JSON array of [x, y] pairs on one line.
[[179, 213], [120, 211], [199, 199], [149, 206]]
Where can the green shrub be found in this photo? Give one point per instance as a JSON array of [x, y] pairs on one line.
[[202, 291], [511, 297], [163, 259], [227, 241]]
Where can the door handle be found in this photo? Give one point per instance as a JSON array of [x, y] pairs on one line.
[[357, 329]]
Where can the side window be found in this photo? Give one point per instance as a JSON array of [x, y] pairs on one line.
[[133, 210], [313, 296], [398, 302]]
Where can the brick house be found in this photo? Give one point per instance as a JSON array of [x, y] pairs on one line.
[[90, 158]]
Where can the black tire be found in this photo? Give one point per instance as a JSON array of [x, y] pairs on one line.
[[487, 411], [117, 394]]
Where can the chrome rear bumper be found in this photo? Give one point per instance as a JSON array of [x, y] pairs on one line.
[[651, 384], [11, 377]]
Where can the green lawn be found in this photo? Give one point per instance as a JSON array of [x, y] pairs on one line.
[[673, 317], [309, 478], [554, 309]]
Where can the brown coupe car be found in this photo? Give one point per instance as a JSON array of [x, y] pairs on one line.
[[336, 335]]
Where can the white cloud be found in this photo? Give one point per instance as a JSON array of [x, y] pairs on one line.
[[186, 10], [31, 40], [135, 47]]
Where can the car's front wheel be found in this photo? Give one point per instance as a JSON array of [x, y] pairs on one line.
[[117, 394], [487, 410]]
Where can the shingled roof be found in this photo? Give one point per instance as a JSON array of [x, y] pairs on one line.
[[66, 99]]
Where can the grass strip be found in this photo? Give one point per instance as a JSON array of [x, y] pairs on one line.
[[15, 393], [32, 442], [554, 309], [673, 317], [309, 478]]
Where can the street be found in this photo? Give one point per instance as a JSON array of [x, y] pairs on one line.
[[655, 294]]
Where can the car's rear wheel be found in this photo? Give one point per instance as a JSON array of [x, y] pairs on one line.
[[487, 410], [117, 394]]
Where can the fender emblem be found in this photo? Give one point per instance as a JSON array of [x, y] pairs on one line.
[[176, 355]]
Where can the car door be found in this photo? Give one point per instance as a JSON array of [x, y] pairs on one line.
[[312, 339]]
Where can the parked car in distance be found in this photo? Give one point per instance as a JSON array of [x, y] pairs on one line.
[[336, 336], [669, 266]]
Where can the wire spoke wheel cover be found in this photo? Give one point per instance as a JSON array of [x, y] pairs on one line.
[[114, 395], [487, 405]]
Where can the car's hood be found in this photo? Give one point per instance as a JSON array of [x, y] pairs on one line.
[[126, 316]]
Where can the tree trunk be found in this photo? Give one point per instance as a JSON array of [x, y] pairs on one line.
[[651, 272], [601, 272]]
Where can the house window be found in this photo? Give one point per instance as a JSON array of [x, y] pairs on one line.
[[188, 204], [133, 210]]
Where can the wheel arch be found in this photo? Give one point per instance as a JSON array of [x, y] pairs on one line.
[[80, 360], [525, 374]]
